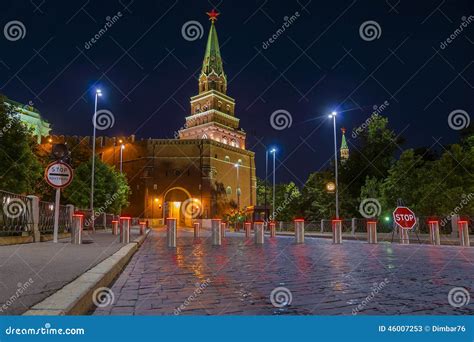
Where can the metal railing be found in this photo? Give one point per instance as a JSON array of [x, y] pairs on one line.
[[46, 218], [15, 215]]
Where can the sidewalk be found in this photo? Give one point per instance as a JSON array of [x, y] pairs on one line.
[[31, 272]]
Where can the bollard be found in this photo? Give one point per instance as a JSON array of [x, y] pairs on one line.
[[223, 227], [76, 229], [463, 233], [272, 226], [434, 232], [404, 238], [258, 232], [337, 231], [125, 229], [216, 232], [115, 224], [142, 227], [248, 226], [197, 230], [372, 231], [171, 232], [299, 230]]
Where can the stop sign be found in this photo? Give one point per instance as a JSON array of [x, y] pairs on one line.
[[404, 217]]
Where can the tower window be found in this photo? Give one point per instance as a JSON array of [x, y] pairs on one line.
[[227, 159], [228, 190]]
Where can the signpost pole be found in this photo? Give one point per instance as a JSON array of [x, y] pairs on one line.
[[56, 215]]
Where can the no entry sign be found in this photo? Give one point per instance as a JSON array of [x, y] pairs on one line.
[[58, 174], [404, 217]]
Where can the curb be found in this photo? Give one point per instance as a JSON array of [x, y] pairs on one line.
[[75, 298]]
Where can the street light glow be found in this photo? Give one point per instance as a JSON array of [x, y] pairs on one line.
[[273, 150], [122, 147]]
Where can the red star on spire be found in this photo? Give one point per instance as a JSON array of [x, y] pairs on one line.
[[343, 130], [213, 15]]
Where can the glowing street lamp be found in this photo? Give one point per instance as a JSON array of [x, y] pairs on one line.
[[98, 93], [333, 116]]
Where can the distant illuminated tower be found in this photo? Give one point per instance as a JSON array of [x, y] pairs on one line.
[[344, 148]]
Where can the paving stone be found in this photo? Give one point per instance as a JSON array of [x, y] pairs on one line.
[[238, 277]]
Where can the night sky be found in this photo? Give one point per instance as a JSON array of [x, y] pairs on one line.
[[148, 71]]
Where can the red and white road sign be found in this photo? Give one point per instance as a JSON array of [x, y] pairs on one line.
[[404, 217], [58, 174]]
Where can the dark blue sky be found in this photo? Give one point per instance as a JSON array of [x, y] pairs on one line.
[[148, 71]]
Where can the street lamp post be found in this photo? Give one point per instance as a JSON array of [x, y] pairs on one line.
[[237, 165], [265, 183], [122, 147], [98, 93], [273, 202], [333, 116]]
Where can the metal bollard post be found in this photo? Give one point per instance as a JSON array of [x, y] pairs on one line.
[[463, 233], [434, 232], [125, 229], [171, 232], [142, 227], [248, 226], [76, 229], [272, 226], [337, 231], [372, 231], [197, 230], [404, 238], [258, 232], [115, 224], [216, 232], [223, 227], [299, 230]]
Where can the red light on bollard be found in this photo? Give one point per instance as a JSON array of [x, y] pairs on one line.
[[298, 220]]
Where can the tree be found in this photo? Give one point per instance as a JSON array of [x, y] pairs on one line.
[[111, 190], [372, 155], [315, 201], [20, 171]]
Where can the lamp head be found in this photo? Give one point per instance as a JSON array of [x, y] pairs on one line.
[[98, 92]]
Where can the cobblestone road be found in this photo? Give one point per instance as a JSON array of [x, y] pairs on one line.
[[238, 278]]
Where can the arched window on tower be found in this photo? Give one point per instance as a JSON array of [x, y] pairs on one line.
[[233, 143], [204, 136], [224, 140], [227, 159], [228, 190]]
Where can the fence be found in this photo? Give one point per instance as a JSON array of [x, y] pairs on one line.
[[359, 225], [15, 217], [28, 216]]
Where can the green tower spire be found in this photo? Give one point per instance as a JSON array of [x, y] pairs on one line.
[[344, 150], [212, 74]]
